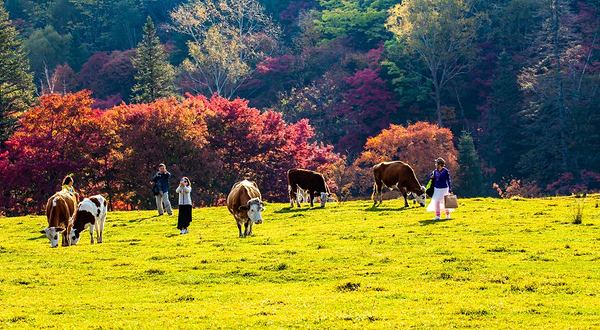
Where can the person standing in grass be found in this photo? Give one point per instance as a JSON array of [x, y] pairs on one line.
[[442, 187], [185, 205], [161, 178], [67, 185]]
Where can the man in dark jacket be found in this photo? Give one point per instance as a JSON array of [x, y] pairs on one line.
[[161, 178]]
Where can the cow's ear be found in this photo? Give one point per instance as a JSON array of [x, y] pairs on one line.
[[243, 208], [61, 229], [43, 231]]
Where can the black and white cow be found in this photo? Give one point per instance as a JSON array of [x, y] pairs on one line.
[[90, 212]]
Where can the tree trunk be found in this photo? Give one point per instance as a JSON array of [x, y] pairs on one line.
[[438, 104], [559, 85]]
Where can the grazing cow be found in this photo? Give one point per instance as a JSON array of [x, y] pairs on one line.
[[245, 203], [302, 196], [59, 210], [397, 175], [312, 181], [90, 212]]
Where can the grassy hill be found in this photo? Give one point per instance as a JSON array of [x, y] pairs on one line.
[[497, 264]]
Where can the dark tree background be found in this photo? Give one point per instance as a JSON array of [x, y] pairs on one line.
[[525, 82]]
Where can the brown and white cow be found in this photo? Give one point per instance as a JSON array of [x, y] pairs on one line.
[[311, 181], [245, 204], [59, 210], [397, 175], [90, 212]]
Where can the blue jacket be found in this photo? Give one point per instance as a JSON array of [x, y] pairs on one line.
[[442, 178], [162, 180]]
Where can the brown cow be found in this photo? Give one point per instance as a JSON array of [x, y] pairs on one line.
[[59, 210], [400, 176], [245, 203], [311, 181]]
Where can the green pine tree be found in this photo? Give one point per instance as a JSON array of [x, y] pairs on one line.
[[155, 75], [501, 134], [16, 81], [472, 183]]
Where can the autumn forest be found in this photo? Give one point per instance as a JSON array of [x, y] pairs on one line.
[[507, 91]]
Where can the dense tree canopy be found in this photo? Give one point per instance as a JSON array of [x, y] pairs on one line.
[[16, 86], [350, 82]]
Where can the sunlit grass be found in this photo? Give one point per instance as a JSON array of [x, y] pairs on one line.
[[496, 264]]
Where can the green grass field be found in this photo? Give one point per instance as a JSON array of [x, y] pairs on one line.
[[497, 264]]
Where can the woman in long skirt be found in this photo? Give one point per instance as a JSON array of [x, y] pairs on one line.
[[442, 187], [185, 205]]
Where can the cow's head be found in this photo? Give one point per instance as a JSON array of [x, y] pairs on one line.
[[324, 198], [52, 233], [75, 236], [419, 196], [254, 207]]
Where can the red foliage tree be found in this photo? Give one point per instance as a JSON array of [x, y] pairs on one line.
[[261, 146], [165, 131], [55, 138], [108, 75], [369, 105], [272, 75], [214, 142]]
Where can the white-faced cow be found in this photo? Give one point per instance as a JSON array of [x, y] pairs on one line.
[[245, 204], [59, 210], [397, 175], [90, 212], [311, 181]]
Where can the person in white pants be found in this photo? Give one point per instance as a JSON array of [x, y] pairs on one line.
[[443, 187], [161, 178]]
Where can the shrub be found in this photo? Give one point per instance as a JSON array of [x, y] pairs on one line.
[[577, 211], [518, 188]]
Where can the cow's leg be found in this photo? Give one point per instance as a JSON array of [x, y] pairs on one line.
[[377, 193], [239, 224], [65, 238], [292, 194], [249, 228], [98, 232], [102, 230], [405, 200], [92, 233], [299, 196], [312, 197], [246, 228]]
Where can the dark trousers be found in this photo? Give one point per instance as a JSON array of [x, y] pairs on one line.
[[185, 216]]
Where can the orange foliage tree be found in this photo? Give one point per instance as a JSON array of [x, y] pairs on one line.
[[418, 145]]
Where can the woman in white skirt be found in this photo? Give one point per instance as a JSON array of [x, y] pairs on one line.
[[185, 205], [442, 187]]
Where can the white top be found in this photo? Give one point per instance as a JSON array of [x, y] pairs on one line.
[[184, 195]]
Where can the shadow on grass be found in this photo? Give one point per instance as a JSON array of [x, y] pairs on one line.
[[146, 218], [36, 238], [432, 222], [377, 209], [296, 210]]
